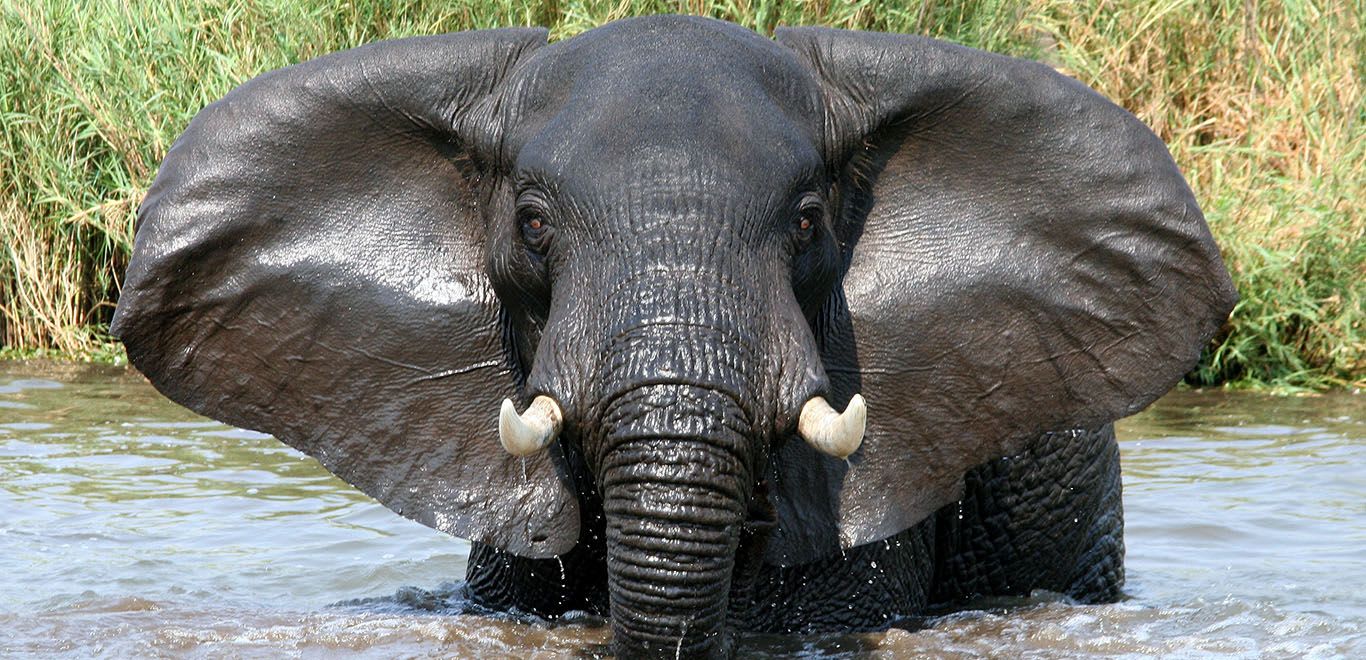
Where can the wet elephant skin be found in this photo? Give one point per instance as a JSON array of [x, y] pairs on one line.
[[682, 232]]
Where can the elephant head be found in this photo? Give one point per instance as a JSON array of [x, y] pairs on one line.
[[681, 249]]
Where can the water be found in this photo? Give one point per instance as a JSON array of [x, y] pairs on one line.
[[132, 528]]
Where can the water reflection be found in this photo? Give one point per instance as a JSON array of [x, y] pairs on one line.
[[130, 527]]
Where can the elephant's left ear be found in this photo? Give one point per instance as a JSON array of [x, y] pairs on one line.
[[310, 263], [1022, 256]]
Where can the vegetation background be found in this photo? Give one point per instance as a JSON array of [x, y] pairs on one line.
[[1260, 102]]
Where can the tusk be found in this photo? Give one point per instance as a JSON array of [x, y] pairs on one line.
[[533, 430], [833, 433]]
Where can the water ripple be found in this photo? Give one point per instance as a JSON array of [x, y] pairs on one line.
[[130, 527]]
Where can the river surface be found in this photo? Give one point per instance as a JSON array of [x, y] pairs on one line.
[[130, 527]]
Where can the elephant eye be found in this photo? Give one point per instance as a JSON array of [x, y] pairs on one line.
[[810, 214], [536, 230]]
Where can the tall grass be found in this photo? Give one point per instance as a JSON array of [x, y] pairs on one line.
[[1260, 101]]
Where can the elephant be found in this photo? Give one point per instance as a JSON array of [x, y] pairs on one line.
[[808, 333]]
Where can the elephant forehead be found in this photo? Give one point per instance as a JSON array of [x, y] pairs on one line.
[[675, 56], [669, 94]]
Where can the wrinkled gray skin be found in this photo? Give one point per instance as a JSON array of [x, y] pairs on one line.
[[363, 254]]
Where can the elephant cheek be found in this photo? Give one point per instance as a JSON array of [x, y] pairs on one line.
[[673, 484]]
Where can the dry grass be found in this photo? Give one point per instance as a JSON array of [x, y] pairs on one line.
[[1260, 101]]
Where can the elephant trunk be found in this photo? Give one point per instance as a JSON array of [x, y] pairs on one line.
[[674, 483], [674, 383]]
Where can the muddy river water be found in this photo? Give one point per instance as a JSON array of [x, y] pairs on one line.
[[130, 527]]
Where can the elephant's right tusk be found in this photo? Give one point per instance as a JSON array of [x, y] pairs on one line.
[[533, 430], [833, 433]]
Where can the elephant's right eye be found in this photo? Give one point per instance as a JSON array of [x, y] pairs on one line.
[[536, 230]]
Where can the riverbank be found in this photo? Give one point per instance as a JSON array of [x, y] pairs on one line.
[[1260, 104]]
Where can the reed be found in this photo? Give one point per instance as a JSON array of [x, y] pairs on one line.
[[1259, 100]]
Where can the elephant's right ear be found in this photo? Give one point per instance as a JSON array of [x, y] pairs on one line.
[[310, 263]]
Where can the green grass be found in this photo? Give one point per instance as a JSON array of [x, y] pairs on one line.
[[1260, 101]]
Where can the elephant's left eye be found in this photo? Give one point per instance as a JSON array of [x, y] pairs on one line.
[[810, 214]]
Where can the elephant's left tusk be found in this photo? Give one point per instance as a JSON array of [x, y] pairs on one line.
[[533, 430], [833, 433]]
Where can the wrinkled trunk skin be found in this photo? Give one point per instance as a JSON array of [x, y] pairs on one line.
[[671, 379], [674, 489]]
